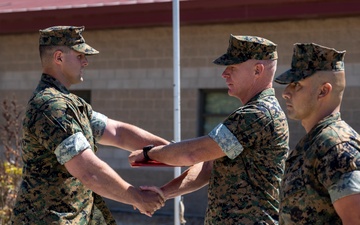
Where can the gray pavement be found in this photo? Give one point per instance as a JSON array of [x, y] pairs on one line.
[[130, 218]]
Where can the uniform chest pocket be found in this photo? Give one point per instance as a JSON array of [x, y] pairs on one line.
[[292, 183], [293, 180]]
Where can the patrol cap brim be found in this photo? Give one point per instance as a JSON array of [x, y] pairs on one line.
[[85, 48], [292, 75], [226, 60], [285, 78]]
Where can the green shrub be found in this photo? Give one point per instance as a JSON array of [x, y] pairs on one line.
[[10, 161]]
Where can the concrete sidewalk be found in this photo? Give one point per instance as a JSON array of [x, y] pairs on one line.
[[130, 218]]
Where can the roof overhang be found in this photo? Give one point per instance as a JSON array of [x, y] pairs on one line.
[[159, 13]]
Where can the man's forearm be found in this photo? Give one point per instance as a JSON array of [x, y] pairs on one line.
[[194, 178], [128, 137], [104, 181]]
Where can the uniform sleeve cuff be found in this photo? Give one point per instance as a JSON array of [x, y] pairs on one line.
[[348, 184], [98, 124], [71, 147], [229, 144]]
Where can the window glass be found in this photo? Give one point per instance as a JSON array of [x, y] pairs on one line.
[[216, 105]]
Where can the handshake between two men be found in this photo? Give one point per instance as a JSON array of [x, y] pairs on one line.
[[153, 197]]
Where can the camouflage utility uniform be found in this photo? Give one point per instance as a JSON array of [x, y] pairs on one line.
[[57, 126], [319, 171], [244, 186], [325, 164]]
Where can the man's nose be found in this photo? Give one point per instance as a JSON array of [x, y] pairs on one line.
[[225, 74], [286, 93], [86, 62]]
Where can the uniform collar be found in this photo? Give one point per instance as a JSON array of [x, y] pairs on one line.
[[262, 94], [325, 122], [48, 80]]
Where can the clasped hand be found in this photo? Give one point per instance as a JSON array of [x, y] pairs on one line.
[[152, 199]]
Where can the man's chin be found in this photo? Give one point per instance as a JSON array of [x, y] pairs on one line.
[[291, 116], [78, 81]]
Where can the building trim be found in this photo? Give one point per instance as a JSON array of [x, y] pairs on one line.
[[159, 13]]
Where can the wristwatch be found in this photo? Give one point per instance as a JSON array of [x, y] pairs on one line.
[[146, 149]]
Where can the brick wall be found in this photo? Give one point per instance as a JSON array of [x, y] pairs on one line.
[[131, 79]]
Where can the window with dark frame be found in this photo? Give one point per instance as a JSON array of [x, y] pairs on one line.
[[215, 106]]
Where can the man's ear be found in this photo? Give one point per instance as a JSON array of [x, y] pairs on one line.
[[259, 68], [57, 57], [325, 89]]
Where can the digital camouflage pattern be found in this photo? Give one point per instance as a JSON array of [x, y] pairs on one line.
[[243, 48], [309, 58], [329, 150], [66, 36], [245, 190], [49, 194]]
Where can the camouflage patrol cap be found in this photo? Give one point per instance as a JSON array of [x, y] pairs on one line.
[[243, 48], [309, 58], [66, 36]]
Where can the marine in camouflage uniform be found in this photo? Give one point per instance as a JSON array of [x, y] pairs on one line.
[[244, 186], [243, 158], [325, 165], [48, 192], [57, 125], [61, 173]]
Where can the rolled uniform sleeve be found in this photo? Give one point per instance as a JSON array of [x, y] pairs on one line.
[[77, 142], [98, 124], [241, 130], [338, 170], [70, 147], [65, 128], [226, 140], [348, 184]]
